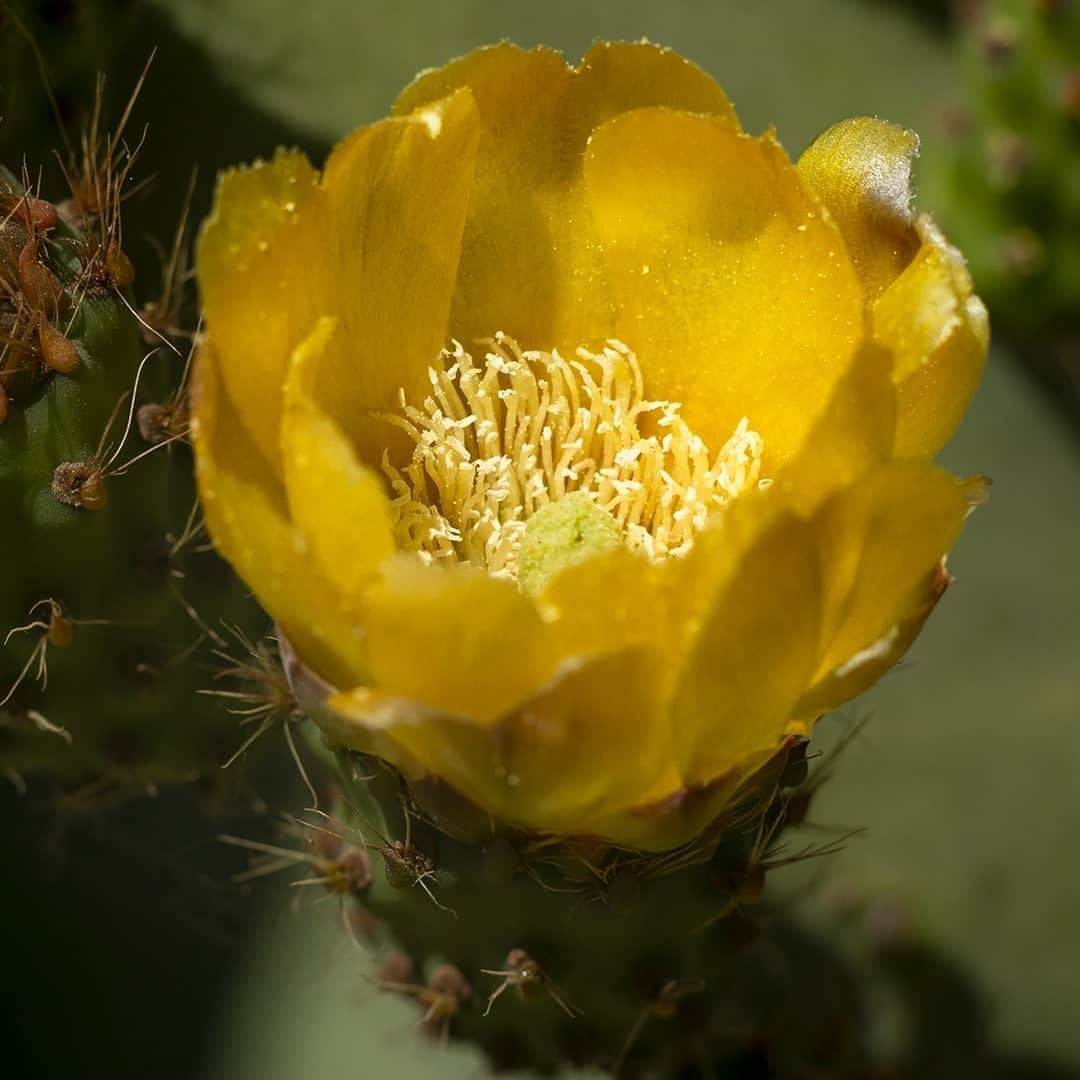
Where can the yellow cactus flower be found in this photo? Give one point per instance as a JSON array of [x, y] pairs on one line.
[[578, 439]]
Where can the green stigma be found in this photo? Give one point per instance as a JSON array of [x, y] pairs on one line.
[[563, 534]]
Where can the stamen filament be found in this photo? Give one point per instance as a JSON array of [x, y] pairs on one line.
[[495, 442]]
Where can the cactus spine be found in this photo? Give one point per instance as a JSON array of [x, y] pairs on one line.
[[551, 952], [109, 596], [1006, 177]]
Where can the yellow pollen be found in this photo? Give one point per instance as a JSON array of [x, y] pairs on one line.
[[496, 441]]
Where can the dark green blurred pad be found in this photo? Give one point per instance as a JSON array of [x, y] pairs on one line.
[[307, 1008], [326, 67], [967, 775]]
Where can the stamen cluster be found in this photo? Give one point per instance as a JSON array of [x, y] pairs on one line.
[[496, 441]]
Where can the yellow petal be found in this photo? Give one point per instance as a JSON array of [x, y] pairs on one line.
[[539, 765], [528, 266], [729, 283], [375, 244], [678, 817], [921, 294], [338, 503], [617, 76], [880, 539], [396, 197], [939, 333], [452, 638], [864, 668], [854, 434], [755, 651], [246, 515], [260, 258], [861, 169], [587, 742], [618, 600]]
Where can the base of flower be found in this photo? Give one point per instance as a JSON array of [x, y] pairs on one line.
[[561, 948], [551, 949]]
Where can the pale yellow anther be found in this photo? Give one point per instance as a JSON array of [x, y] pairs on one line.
[[495, 442]]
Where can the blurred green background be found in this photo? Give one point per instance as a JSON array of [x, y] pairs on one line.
[[966, 776]]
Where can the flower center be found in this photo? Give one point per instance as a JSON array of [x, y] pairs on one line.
[[500, 441]]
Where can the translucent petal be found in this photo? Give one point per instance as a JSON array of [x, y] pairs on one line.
[[338, 503], [246, 514], [879, 539], [862, 669], [919, 290], [260, 269], [939, 333], [861, 169]]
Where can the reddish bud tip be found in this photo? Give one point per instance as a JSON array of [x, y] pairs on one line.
[[38, 284], [57, 351], [121, 272], [38, 214]]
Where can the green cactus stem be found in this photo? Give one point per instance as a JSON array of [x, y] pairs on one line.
[[1007, 178], [549, 952], [110, 600]]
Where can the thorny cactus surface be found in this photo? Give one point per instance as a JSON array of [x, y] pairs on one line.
[[109, 595], [549, 952], [843, 984], [1008, 176]]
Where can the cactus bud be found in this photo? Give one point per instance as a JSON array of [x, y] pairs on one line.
[[58, 353]]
